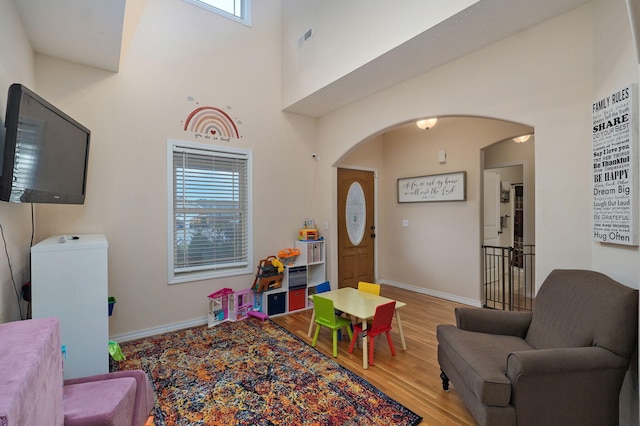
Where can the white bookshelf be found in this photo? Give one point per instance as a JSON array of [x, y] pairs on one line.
[[313, 256], [289, 297]]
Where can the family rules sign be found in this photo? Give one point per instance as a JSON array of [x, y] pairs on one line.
[[615, 167]]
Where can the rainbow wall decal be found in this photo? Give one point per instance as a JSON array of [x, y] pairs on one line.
[[211, 121]]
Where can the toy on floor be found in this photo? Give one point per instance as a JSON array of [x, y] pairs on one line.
[[228, 305], [268, 275], [219, 306], [260, 315], [242, 303]]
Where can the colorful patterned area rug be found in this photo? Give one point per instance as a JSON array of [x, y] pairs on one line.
[[254, 373]]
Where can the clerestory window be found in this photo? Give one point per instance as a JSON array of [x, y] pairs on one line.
[[237, 10]]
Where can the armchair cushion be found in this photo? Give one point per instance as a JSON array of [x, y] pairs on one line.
[[143, 399], [107, 402], [479, 358]]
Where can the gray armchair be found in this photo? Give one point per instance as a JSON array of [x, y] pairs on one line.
[[562, 364]]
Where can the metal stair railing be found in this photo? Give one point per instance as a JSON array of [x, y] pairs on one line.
[[508, 277]]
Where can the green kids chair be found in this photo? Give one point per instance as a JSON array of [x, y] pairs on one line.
[[326, 317], [320, 288]]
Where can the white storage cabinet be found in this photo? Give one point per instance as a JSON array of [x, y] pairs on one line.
[[69, 281]]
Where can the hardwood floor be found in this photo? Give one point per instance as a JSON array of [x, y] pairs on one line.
[[412, 377]]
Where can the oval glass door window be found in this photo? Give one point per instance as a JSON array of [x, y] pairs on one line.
[[356, 213]]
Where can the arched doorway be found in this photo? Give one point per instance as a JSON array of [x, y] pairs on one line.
[[431, 248]]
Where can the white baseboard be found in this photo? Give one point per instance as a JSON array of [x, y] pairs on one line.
[[158, 330], [139, 334], [438, 294]]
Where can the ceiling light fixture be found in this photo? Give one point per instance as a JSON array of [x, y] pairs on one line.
[[427, 123], [521, 139]]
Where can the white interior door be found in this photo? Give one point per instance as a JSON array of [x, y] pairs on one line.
[[512, 215], [491, 209]]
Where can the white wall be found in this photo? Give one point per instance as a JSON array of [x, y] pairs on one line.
[[348, 35], [530, 79], [16, 66], [615, 67], [178, 51]]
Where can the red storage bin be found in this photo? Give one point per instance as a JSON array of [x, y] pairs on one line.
[[297, 299]]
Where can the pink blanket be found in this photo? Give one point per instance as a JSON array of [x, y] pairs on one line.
[[31, 373]]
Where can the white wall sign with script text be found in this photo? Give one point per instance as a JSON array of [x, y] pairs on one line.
[[442, 187], [615, 167]]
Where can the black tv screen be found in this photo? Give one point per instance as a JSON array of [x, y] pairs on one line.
[[45, 152]]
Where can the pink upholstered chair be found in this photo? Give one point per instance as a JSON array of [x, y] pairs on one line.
[[32, 391]]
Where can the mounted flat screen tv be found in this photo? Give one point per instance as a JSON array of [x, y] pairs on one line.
[[45, 152]]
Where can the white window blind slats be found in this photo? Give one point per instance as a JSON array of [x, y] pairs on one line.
[[200, 151], [210, 205]]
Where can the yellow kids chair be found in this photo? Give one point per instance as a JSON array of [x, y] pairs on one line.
[[369, 288]]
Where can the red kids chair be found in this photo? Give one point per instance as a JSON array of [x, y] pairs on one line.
[[381, 324]]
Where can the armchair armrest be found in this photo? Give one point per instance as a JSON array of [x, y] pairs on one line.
[[493, 322], [561, 361], [566, 385]]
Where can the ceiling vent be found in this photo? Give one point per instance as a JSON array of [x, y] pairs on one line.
[[305, 37]]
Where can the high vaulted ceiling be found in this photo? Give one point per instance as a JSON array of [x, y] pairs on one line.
[[90, 32]]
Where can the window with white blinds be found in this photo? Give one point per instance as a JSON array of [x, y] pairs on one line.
[[210, 221]]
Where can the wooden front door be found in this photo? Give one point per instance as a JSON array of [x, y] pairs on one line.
[[356, 227]]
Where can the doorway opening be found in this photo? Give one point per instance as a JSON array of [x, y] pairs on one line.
[[508, 239]]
